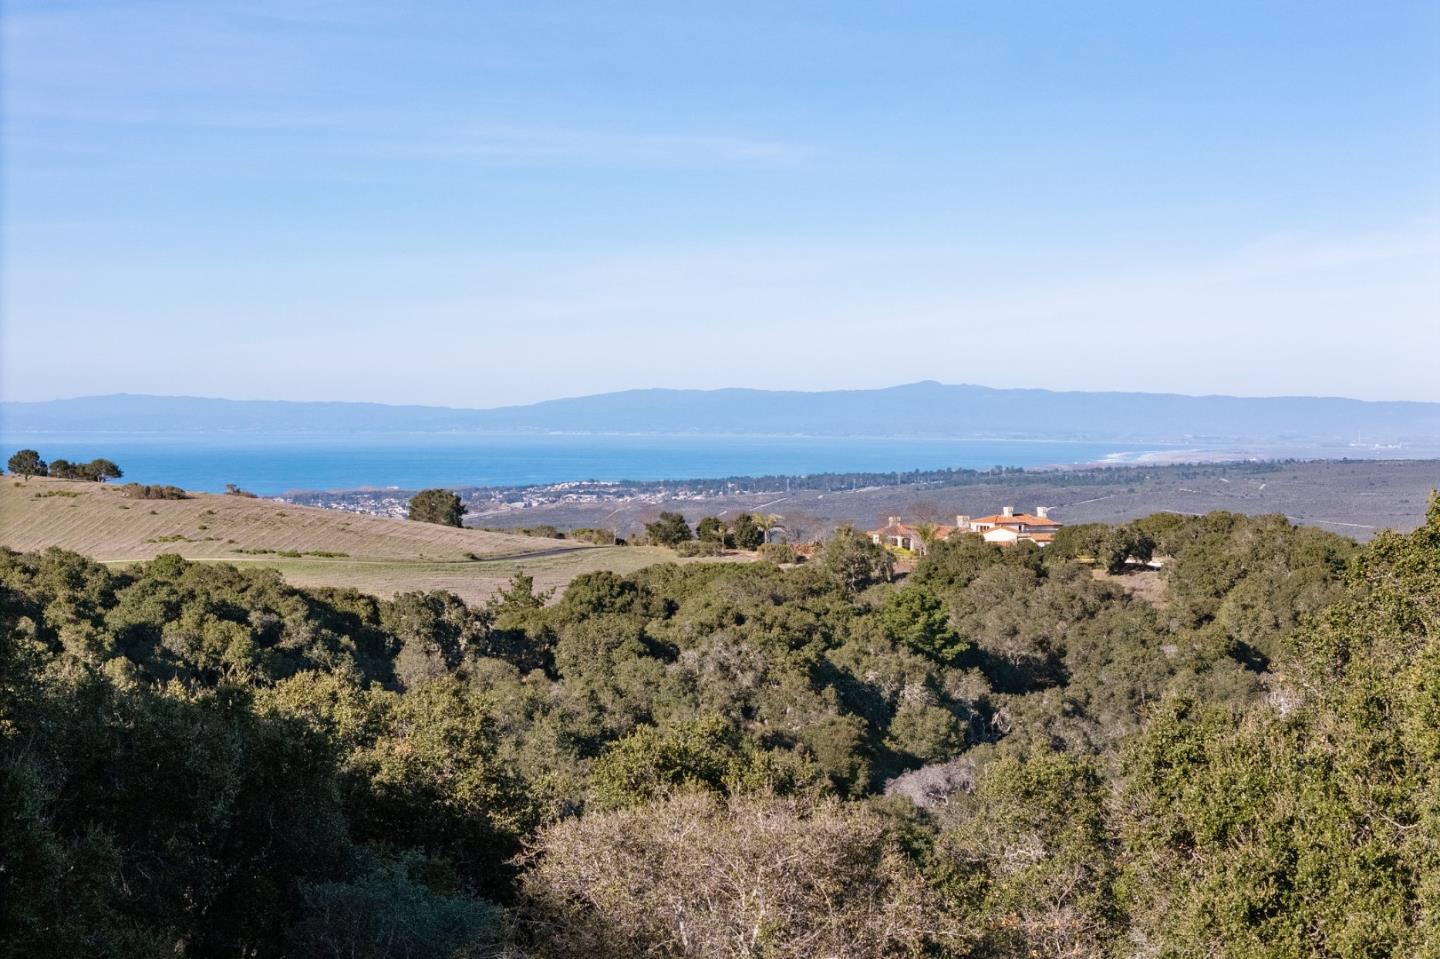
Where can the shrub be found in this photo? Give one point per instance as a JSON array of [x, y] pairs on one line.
[[600, 537], [699, 547], [1033, 842], [712, 528], [385, 912], [747, 533], [543, 531], [650, 762], [698, 875], [854, 561], [156, 491], [1109, 546], [669, 530], [916, 617], [778, 553]]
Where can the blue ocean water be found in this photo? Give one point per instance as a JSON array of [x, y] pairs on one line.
[[275, 463]]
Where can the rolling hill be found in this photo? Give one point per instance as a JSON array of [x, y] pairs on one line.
[[309, 546]]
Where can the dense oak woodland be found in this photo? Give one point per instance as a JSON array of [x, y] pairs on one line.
[[1001, 754]]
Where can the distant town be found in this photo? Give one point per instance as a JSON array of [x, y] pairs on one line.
[[500, 502], [1353, 497]]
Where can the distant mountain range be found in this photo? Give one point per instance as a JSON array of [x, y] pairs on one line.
[[917, 409]]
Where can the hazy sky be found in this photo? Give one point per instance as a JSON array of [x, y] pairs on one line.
[[477, 203]]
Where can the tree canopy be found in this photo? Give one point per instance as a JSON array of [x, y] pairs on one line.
[[95, 471], [747, 532], [670, 529], [1001, 754], [27, 463], [437, 506]]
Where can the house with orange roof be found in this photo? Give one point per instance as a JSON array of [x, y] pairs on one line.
[[1005, 528], [914, 537], [1009, 527]]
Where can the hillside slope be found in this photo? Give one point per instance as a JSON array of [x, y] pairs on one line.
[[101, 521], [309, 546]]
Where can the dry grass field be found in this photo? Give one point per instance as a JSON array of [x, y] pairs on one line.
[[472, 581], [101, 521], [310, 547]]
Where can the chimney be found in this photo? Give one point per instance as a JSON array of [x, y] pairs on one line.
[[1043, 512], [893, 521], [962, 521], [1009, 511]]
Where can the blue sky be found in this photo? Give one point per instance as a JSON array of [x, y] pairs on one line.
[[480, 203]]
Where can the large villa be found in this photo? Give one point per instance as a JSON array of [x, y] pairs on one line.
[[1005, 528]]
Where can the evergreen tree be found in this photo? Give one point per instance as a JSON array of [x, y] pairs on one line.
[[102, 469], [437, 506], [712, 530], [747, 533], [669, 530], [27, 463]]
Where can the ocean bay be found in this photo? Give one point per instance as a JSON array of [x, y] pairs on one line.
[[273, 463]]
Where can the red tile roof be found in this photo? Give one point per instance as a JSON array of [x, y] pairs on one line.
[[1019, 519]]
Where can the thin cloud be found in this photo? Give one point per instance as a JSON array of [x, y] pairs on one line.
[[164, 67], [355, 135], [514, 144]]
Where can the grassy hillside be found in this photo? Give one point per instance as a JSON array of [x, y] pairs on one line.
[[378, 555], [473, 581]]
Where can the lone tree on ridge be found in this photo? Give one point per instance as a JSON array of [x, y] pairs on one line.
[[27, 463], [437, 506], [103, 469]]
